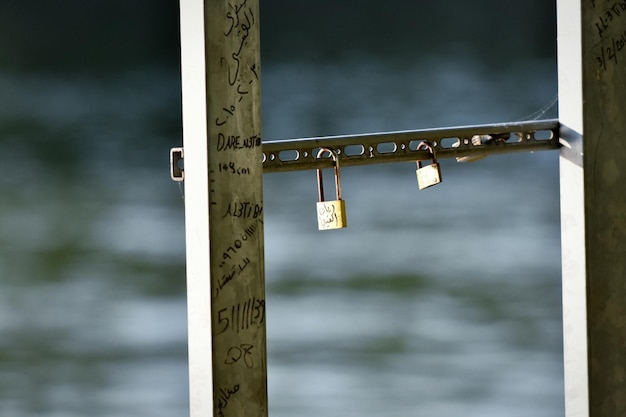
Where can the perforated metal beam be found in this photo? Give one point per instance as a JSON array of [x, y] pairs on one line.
[[464, 143]]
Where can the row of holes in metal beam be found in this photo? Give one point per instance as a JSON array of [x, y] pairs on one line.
[[392, 147]]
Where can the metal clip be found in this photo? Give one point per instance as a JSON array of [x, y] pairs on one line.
[[176, 171]]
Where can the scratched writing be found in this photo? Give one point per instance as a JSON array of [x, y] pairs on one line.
[[251, 230], [236, 273], [236, 142], [254, 70], [239, 29], [226, 114], [233, 259], [241, 23], [233, 248], [242, 91], [611, 51], [233, 168], [241, 265], [238, 243], [235, 270], [244, 210], [233, 16], [223, 397], [221, 283], [605, 19], [327, 215], [331, 215], [240, 354], [241, 316]]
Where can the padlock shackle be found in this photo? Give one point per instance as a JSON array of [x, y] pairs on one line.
[[320, 181], [428, 146], [320, 185]]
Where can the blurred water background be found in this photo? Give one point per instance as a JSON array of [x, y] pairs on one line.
[[443, 302]]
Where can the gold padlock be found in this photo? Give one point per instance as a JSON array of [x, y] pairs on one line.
[[330, 214], [430, 174]]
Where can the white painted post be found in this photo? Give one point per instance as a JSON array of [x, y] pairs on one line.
[[572, 213], [224, 207], [592, 102]]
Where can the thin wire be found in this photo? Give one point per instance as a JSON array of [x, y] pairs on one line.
[[182, 190]]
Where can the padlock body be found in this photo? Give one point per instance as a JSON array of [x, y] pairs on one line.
[[428, 176], [331, 215]]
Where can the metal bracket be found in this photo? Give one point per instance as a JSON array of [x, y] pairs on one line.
[[572, 142], [464, 143], [176, 171]]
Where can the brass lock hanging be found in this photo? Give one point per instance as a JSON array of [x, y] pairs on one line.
[[330, 214], [428, 175]]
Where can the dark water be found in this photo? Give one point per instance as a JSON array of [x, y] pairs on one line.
[[441, 302]]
